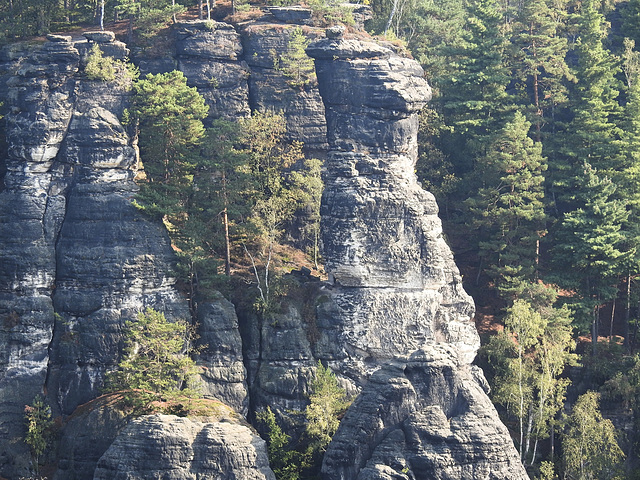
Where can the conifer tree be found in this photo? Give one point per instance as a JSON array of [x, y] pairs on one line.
[[508, 210], [539, 49], [474, 99], [589, 251], [592, 135]]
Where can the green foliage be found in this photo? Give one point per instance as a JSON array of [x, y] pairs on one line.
[[155, 365], [294, 63], [284, 460], [148, 16], [282, 184], [508, 210], [330, 12], [547, 471], [327, 402], [537, 59], [528, 360], [106, 69], [169, 116], [39, 428], [28, 17], [589, 445], [590, 246], [99, 67]]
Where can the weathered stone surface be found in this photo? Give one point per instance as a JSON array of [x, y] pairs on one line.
[[270, 89], [207, 39], [100, 37], [224, 376], [381, 234], [32, 203], [86, 435], [71, 241], [293, 14], [209, 54], [175, 448], [422, 419], [397, 321]]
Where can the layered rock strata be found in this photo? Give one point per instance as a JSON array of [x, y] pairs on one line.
[[176, 448], [77, 258], [397, 309], [399, 287]]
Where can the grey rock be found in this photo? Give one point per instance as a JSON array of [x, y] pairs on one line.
[[207, 39], [58, 38], [175, 448], [100, 37], [270, 90], [224, 376], [397, 321], [208, 53], [86, 435], [335, 31], [71, 241], [421, 419], [293, 14], [381, 234]]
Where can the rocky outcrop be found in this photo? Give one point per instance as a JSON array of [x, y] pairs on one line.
[[103, 440], [397, 306], [224, 375], [77, 258], [270, 88], [176, 448], [210, 55], [423, 418], [398, 288]]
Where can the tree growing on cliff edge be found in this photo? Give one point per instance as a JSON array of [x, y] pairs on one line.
[[156, 365]]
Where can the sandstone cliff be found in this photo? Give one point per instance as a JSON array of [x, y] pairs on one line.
[[77, 260], [397, 307]]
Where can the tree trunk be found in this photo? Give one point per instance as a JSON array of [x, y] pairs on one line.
[[613, 313], [227, 243], [627, 315], [102, 15]]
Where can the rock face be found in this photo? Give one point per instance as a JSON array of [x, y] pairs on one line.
[[399, 288], [77, 260], [397, 307], [175, 448], [423, 418], [224, 375], [210, 55]]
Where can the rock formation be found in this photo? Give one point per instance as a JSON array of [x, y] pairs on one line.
[[77, 260], [175, 448], [397, 307]]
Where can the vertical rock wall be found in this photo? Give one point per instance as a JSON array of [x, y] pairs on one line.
[[398, 322]]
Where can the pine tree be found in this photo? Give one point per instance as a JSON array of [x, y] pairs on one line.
[[508, 210], [592, 135], [474, 99], [156, 365], [589, 250], [538, 61]]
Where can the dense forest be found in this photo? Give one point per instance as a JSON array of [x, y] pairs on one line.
[[531, 145]]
